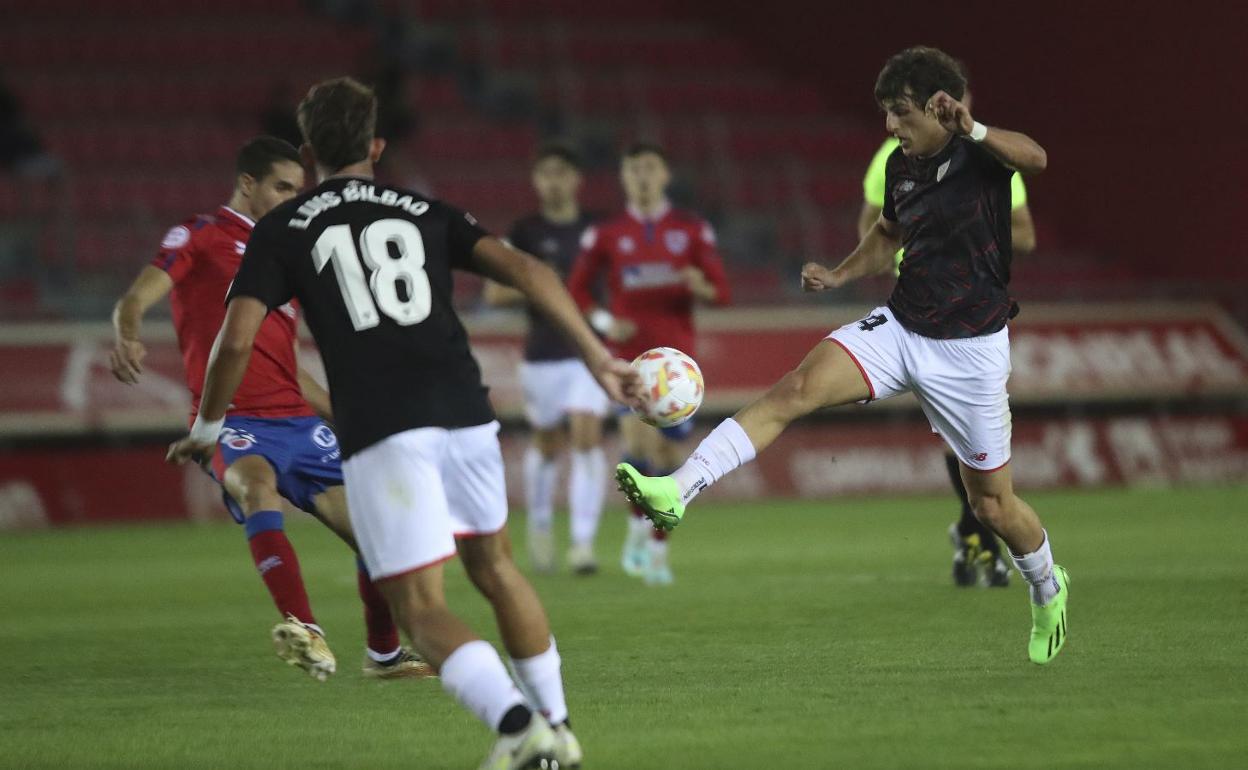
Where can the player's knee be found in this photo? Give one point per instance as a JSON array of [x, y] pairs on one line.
[[492, 576], [259, 495], [991, 509], [793, 395]]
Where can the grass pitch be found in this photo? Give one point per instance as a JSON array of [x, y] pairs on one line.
[[797, 635]]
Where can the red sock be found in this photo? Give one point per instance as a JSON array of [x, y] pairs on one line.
[[636, 510], [278, 565], [383, 636], [658, 534]]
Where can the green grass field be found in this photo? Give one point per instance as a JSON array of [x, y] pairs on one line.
[[797, 635]]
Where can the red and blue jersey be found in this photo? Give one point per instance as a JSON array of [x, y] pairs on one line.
[[202, 255], [644, 261]]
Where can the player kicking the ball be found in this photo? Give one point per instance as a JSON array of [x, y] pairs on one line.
[[659, 262], [942, 335], [273, 443], [371, 267]]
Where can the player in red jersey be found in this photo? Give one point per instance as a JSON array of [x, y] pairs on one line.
[[275, 443], [659, 263]]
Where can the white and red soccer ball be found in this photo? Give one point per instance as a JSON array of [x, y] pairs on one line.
[[672, 387]]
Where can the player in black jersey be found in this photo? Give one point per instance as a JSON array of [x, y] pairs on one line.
[[563, 403], [942, 335], [371, 266]]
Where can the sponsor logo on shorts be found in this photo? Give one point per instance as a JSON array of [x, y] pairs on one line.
[[979, 458], [324, 437], [238, 440]]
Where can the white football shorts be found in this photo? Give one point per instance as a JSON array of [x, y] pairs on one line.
[[413, 493], [554, 389], [960, 384]]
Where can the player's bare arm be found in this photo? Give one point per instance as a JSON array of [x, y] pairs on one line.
[[1022, 230], [497, 295], [1016, 150], [873, 256], [316, 396], [866, 219], [543, 288], [149, 287], [226, 366], [699, 285]]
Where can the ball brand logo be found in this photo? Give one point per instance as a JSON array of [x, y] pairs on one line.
[[323, 437]]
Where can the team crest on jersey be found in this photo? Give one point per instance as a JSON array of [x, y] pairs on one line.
[[176, 238], [324, 437], [626, 245], [905, 187], [677, 241], [944, 169], [238, 440]]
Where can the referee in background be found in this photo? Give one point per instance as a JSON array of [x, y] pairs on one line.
[[977, 552]]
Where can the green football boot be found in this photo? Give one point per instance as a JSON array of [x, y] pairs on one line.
[[658, 496], [1048, 623]]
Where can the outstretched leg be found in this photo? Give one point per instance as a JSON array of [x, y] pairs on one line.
[[828, 376]]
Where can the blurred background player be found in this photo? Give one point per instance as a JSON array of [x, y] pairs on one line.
[[659, 262], [976, 550], [563, 403], [274, 444]]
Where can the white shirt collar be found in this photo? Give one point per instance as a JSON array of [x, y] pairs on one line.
[[635, 213], [246, 219]]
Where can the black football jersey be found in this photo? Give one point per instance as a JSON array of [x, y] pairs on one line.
[[954, 212], [557, 245], [371, 266]]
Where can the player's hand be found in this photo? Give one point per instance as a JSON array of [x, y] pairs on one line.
[[619, 380], [188, 448], [952, 114], [697, 283], [126, 360], [622, 330], [816, 277]]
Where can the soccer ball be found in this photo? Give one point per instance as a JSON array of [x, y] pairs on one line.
[[671, 387]]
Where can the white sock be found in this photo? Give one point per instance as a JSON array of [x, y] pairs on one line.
[[1037, 569], [639, 528], [539, 489], [658, 552], [541, 680], [723, 450], [476, 677], [586, 493]]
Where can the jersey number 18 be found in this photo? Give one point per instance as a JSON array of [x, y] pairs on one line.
[[363, 296]]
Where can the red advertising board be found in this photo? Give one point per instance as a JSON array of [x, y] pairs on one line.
[[56, 377]]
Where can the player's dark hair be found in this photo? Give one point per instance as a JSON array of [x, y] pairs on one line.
[[918, 73], [645, 148], [338, 118], [561, 151], [256, 158]]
